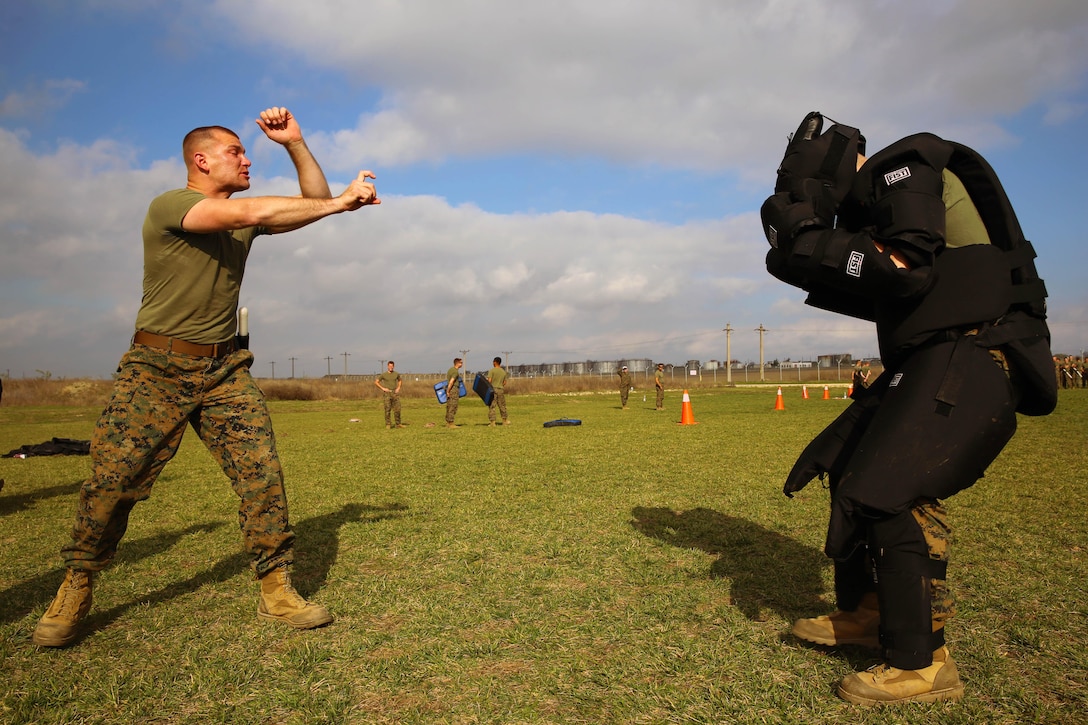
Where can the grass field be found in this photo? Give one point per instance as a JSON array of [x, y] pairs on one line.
[[629, 570]]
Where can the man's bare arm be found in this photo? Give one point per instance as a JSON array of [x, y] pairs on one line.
[[281, 126], [277, 213], [311, 179]]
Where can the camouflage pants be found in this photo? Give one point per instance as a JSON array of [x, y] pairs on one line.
[[499, 401], [392, 406], [660, 398], [158, 394], [933, 521], [624, 392], [451, 404], [929, 530]]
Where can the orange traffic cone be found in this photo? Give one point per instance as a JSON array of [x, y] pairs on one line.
[[827, 393], [687, 417], [778, 404], [804, 392], [850, 391]]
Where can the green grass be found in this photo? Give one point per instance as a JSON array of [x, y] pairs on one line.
[[629, 570]]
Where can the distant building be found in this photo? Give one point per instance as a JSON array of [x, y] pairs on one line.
[[841, 359], [587, 367]]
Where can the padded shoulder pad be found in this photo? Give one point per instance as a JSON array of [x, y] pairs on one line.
[[912, 164], [901, 187], [922, 153]]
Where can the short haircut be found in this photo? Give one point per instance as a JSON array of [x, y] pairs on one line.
[[200, 136], [456, 360], [391, 362], [497, 361]]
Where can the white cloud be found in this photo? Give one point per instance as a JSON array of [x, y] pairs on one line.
[[558, 314], [695, 85], [509, 279], [34, 101], [414, 277], [1060, 112], [64, 213]]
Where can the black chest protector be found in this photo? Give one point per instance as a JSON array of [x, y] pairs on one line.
[[993, 288]]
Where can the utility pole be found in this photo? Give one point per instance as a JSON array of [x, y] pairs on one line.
[[346, 356], [761, 329], [728, 355], [464, 358], [293, 367], [273, 364], [328, 361]]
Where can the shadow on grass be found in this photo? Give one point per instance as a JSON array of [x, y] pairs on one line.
[[19, 502], [317, 545], [766, 570], [25, 597], [317, 541]]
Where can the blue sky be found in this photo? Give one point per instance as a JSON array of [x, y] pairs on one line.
[[565, 180]]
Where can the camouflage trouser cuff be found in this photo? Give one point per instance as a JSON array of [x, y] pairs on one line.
[[284, 560]]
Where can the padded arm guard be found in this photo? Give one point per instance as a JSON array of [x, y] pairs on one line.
[[784, 218], [813, 257], [896, 200], [849, 262], [818, 168]]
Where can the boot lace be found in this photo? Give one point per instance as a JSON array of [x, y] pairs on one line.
[[291, 595], [883, 672], [73, 595]]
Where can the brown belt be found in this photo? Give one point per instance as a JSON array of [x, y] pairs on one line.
[[173, 344]]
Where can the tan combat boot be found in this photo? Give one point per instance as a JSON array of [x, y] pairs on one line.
[[57, 627], [860, 627], [281, 602], [884, 684]]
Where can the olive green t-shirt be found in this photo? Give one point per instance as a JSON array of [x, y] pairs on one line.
[[389, 379], [191, 281], [497, 377], [962, 224], [452, 374]]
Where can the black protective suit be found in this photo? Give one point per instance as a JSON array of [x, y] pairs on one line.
[[962, 338]]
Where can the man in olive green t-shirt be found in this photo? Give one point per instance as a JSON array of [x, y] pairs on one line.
[[389, 383], [659, 384], [497, 377], [185, 369], [453, 391], [625, 386]]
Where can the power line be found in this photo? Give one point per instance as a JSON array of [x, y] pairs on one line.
[[682, 338]]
